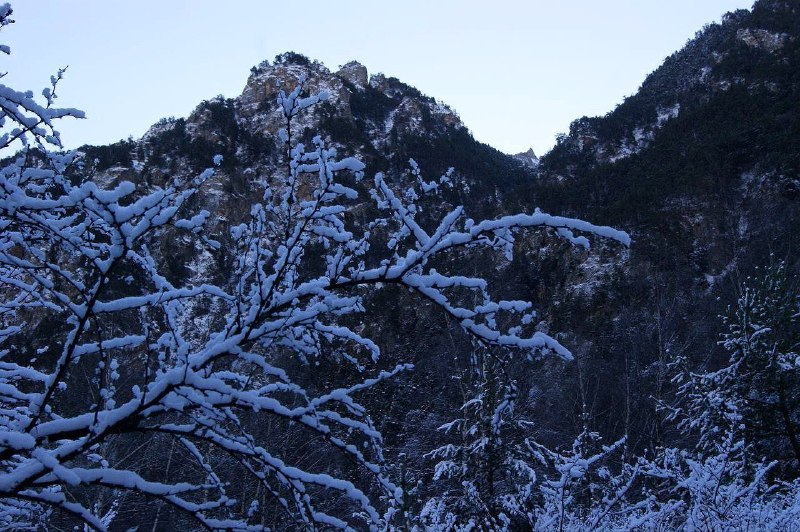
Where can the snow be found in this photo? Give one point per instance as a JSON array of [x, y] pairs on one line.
[[665, 114], [640, 137], [761, 38], [195, 360]]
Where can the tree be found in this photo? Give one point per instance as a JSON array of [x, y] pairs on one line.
[[741, 418], [505, 480], [110, 396], [717, 488], [756, 394], [482, 479]]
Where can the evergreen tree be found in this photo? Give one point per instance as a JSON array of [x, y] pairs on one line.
[[483, 478], [763, 339], [757, 393]]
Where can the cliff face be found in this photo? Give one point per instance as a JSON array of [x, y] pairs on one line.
[[378, 118], [380, 111]]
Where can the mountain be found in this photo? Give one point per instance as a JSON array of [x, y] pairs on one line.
[[379, 118], [701, 166], [717, 123], [528, 158]]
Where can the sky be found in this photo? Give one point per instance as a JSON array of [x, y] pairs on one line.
[[517, 72]]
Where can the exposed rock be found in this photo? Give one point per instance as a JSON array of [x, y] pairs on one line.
[[758, 38], [355, 73], [528, 158], [258, 101]]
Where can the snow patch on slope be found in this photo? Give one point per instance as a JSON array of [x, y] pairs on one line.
[[642, 136]]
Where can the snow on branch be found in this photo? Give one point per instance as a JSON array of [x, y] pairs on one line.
[[112, 357]]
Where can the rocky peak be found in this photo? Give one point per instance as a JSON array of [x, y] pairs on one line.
[[267, 79], [528, 158], [378, 118], [383, 109], [354, 73]]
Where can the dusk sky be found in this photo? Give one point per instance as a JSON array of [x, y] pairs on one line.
[[517, 72]]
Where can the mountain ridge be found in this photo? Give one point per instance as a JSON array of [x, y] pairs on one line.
[[313, 252], [698, 166]]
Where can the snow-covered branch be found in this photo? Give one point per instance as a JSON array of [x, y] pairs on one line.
[[98, 355]]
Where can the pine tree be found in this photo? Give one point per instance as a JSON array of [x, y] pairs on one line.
[[756, 394], [483, 477], [763, 340]]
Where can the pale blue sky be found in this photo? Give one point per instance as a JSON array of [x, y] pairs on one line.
[[517, 72]]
